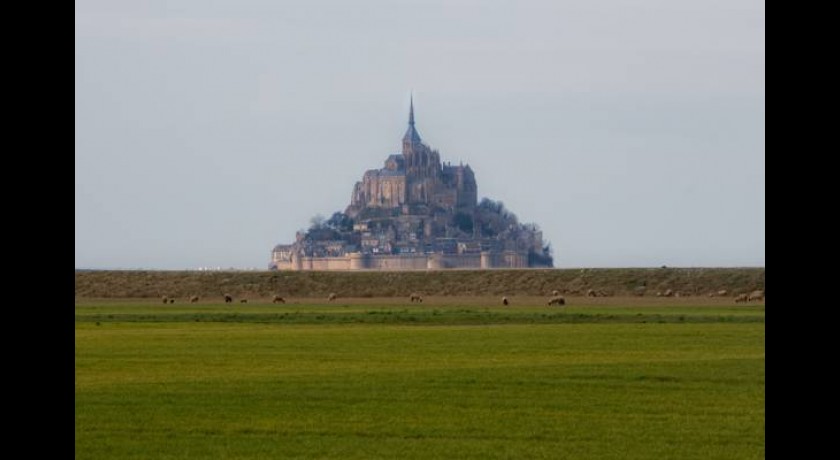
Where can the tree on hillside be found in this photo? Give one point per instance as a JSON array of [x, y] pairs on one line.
[[317, 222], [464, 222], [493, 218], [340, 222], [541, 259]]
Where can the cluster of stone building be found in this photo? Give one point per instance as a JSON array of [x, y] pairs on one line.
[[415, 213]]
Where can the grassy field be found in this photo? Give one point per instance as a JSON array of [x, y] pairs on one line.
[[453, 378]]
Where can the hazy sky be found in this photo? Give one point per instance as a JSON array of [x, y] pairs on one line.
[[631, 132]]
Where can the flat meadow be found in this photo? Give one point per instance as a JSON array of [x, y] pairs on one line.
[[618, 377]]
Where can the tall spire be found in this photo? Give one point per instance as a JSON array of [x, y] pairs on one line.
[[411, 136], [411, 111]]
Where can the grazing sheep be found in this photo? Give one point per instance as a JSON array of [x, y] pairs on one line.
[[755, 295], [415, 297], [277, 298], [505, 301], [165, 299], [741, 298], [332, 296], [668, 293], [722, 292], [558, 300], [171, 300], [555, 293], [243, 301], [591, 293], [194, 299], [228, 298]]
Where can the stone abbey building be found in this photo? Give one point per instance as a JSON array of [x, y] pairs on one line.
[[416, 213], [415, 181]]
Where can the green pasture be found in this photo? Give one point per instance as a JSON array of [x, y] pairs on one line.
[[456, 378]]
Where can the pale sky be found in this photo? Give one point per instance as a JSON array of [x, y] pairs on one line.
[[631, 132]]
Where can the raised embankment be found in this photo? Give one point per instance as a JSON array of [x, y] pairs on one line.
[[611, 281]]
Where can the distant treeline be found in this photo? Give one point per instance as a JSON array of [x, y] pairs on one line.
[[606, 281]]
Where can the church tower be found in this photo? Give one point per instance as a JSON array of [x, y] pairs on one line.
[[411, 140], [422, 165]]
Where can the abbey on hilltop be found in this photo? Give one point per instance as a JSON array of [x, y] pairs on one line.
[[416, 213]]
